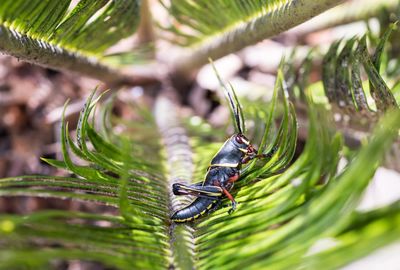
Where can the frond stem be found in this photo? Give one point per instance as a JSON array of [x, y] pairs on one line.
[[45, 54], [347, 13], [293, 13], [179, 169]]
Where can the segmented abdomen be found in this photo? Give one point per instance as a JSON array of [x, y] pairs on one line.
[[198, 208]]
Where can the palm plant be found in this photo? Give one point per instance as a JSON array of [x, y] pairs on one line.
[[287, 206]]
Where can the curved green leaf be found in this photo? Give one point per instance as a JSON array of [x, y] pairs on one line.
[[215, 29], [56, 35], [91, 26], [285, 207]]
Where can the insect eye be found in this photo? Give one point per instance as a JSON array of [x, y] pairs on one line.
[[239, 139]]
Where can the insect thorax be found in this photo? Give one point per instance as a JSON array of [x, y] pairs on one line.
[[229, 154]]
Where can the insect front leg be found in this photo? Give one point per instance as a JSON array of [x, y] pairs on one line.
[[270, 153], [252, 154]]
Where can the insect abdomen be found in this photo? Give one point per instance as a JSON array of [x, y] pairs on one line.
[[198, 208]]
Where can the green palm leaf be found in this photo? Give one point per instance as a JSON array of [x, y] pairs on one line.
[[286, 207], [281, 215], [53, 34], [215, 29], [131, 184], [362, 98]]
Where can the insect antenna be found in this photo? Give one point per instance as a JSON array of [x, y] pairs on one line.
[[236, 109]]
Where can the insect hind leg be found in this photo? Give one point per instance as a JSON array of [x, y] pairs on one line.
[[197, 190]]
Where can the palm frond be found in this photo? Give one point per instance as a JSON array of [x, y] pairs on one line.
[[135, 186], [282, 215], [90, 26], [191, 14], [57, 35], [285, 207], [234, 25], [342, 77], [357, 98], [349, 12]]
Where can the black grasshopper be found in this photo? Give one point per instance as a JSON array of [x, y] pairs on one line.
[[222, 172]]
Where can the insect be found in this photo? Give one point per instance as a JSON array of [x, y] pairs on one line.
[[223, 171]]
